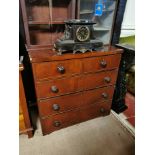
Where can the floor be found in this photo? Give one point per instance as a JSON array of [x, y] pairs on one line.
[[100, 136]]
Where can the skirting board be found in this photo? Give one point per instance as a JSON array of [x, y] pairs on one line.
[[124, 123]]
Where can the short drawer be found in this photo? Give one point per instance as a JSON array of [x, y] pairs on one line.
[[101, 63], [58, 87], [100, 79], [56, 69], [72, 117], [64, 103]]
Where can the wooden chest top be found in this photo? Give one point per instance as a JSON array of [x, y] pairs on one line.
[[45, 55]]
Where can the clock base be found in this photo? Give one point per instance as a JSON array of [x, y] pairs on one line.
[[63, 46]]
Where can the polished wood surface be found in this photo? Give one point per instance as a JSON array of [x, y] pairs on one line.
[[99, 79], [65, 103], [75, 116], [75, 84], [72, 88], [64, 86], [98, 95], [95, 64], [72, 101], [45, 55], [24, 120], [22, 126], [50, 70]]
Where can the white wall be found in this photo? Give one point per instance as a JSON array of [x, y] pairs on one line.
[[128, 24]]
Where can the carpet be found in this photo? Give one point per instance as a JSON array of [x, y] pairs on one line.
[[100, 136]]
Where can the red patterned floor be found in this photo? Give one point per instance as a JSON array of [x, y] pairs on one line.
[[130, 112]]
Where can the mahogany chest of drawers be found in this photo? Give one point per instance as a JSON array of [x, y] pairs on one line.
[[73, 88]]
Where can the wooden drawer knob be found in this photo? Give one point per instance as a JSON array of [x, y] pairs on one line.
[[102, 110], [56, 107], [54, 89], [107, 79], [103, 63], [61, 69], [105, 95], [57, 123]]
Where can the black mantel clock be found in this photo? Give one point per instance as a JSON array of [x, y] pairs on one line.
[[78, 36]]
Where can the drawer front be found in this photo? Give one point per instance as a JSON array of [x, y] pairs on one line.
[[59, 87], [98, 95], [72, 117], [100, 79], [77, 100], [101, 63], [59, 104], [51, 70]]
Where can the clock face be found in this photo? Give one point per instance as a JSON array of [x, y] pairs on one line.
[[82, 33]]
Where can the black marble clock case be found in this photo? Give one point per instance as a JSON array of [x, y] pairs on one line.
[[70, 42]]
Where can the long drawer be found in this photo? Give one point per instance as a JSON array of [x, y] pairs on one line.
[[74, 84], [77, 100], [72, 117]]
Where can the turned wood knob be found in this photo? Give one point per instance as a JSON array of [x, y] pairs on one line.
[[105, 95], [56, 107], [107, 79], [54, 89], [103, 63], [56, 123], [61, 69], [102, 110]]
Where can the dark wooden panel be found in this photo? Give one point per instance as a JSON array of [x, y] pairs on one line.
[[72, 101], [101, 63], [49, 70], [64, 86], [76, 116], [57, 34], [45, 34], [45, 12], [38, 10], [98, 79], [40, 37], [40, 34], [60, 10]]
